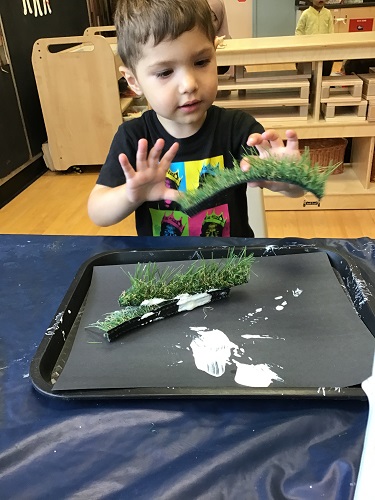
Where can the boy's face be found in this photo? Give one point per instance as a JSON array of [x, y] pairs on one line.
[[319, 4], [179, 80]]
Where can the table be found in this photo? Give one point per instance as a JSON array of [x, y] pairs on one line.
[[206, 449]]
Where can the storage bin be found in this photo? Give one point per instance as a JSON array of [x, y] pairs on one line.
[[326, 151]]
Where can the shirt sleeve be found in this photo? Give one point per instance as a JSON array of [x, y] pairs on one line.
[[124, 141], [301, 25], [331, 28]]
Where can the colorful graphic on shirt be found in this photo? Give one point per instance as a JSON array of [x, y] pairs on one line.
[[169, 223], [211, 222], [173, 181], [183, 176]]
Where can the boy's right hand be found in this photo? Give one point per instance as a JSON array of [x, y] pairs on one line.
[[147, 182]]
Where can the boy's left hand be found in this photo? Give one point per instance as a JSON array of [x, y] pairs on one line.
[[270, 144]]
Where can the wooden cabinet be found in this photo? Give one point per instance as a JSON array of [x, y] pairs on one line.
[[77, 80], [350, 190], [344, 19]]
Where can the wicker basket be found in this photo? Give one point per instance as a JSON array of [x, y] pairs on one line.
[[326, 151]]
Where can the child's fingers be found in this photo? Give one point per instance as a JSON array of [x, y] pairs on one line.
[[155, 152], [292, 140], [274, 138], [255, 139], [142, 152], [126, 167], [261, 144], [170, 154]]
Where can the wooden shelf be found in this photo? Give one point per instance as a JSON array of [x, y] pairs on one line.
[[352, 189], [261, 100], [125, 103], [343, 191], [78, 90]]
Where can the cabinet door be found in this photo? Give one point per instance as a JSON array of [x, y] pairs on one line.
[[14, 149], [364, 14], [340, 20]]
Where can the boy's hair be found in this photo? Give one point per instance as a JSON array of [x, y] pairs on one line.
[[137, 21]]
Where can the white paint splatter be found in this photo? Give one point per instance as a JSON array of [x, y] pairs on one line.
[[322, 390], [259, 375], [188, 302], [297, 292], [185, 301], [361, 292], [269, 249], [247, 336], [211, 350], [152, 302], [279, 308], [58, 319], [279, 297]]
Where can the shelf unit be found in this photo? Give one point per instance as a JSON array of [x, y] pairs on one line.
[[82, 108], [77, 80], [350, 190]]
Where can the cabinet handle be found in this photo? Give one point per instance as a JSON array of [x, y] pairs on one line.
[[340, 20]]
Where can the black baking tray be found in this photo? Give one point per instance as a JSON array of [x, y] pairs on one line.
[[358, 282]]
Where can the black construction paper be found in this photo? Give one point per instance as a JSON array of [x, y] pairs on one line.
[[300, 324]]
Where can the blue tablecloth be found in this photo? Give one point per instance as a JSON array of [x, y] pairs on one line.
[[162, 449]]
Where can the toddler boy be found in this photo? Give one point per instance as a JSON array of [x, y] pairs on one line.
[[316, 20], [168, 51]]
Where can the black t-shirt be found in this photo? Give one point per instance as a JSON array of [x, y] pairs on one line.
[[222, 137]]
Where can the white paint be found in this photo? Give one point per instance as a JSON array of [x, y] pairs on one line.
[[246, 336], [269, 249], [278, 297], [211, 350], [297, 292], [152, 302], [146, 315], [58, 319], [185, 301], [188, 302], [279, 308], [259, 375], [260, 309]]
